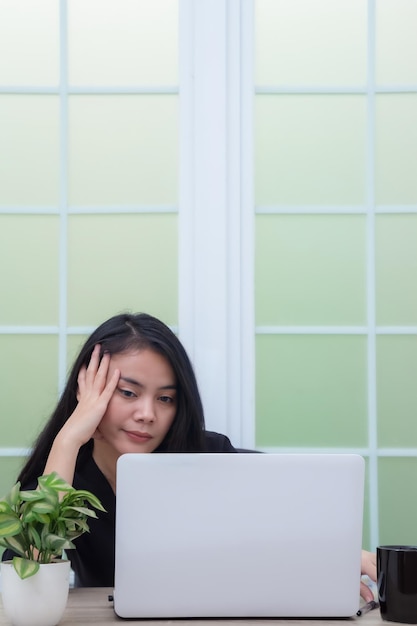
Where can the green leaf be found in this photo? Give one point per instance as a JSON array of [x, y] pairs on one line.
[[56, 544], [81, 495], [13, 495], [3, 543], [9, 525], [43, 507], [45, 520], [83, 510], [15, 544], [24, 567], [74, 534], [5, 507], [95, 502], [31, 517], [32, 496], [34, 537], [55, 482], [81, 523]]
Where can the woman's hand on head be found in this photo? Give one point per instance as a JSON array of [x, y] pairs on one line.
[[95, 390], [368, 568]]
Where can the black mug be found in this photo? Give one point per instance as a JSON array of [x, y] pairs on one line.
[[397, 583]]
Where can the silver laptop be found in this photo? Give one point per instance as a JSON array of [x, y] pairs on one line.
[[238, 535]]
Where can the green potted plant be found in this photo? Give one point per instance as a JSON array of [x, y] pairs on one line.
[[38, 526]]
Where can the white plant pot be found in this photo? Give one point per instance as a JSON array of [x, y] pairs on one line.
[[39, 600]]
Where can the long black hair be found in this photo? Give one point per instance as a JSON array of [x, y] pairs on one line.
[[123, 333]]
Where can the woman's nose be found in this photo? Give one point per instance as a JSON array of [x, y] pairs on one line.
[[144, 411]]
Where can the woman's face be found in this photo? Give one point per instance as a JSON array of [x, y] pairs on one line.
[[143, 406]]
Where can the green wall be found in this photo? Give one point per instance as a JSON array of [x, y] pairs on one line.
[[88, 189], [335, 239]]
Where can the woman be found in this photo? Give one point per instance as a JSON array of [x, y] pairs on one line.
[[131, 389]]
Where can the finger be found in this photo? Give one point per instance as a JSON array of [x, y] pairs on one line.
[[368, 564], [97, 372], [111, 385], [106, 393], [81, 380], [366, 592], [99, 382], [94, 362], [103, 368]]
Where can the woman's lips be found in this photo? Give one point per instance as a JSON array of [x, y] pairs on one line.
[[138, 436]]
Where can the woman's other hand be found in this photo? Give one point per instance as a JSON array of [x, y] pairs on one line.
[[368, 568]]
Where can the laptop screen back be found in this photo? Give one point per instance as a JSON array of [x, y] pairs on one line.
[[238, 535]]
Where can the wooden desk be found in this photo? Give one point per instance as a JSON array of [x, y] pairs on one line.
[[91, 606]]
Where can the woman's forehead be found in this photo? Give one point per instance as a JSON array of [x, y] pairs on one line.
[[144, 362]]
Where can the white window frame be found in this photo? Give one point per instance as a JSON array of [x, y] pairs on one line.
[[216, 319]]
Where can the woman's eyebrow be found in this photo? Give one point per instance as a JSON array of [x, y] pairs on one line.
[[132, 381]]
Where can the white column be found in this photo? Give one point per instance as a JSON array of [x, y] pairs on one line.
[[211, 230]]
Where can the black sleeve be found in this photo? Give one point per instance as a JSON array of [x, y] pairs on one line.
[[214, 442], [8, 555]]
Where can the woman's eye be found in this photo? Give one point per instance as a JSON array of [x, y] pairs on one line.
[[166, 399], [127, 393]]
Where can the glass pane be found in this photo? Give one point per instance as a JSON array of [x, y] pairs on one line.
[[29, 149], [123, 42], [9, 470], [29, 42], [123, 150], [396, 149], [28, 388], [74, 345], [311, 43], [310, 270], [397, 512], [396, 269], [396, 41], [119, 263], [29, 259], [311, 390], [310, 150], [397, 391]]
